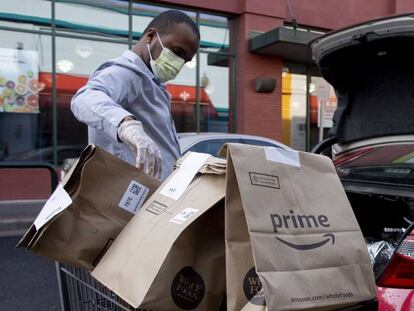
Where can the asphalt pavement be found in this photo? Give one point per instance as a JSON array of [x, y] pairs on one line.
[[27, 282]]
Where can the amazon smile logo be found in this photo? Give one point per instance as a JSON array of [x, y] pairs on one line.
[[293, 220]]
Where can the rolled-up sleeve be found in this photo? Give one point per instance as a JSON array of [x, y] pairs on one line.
[[101, 102]]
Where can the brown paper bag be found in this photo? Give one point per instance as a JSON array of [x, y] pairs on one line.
[[288, 218], [104, 191], [171, 255]]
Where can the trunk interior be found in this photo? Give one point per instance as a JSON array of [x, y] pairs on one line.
[[374, 85], [383, 220]]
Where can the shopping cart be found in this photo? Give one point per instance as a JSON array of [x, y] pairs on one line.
[[80, 291], [77, 289]]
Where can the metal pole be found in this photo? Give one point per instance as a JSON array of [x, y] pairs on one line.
[[321, 113], [198, 90], [130, 39], [63, 289], [86, 36], [308, 127], [54, 95], [234, 77]]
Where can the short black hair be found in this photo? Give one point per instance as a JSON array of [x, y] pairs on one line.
[[163, 22]]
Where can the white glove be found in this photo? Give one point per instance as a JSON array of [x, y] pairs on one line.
[[148, 155]]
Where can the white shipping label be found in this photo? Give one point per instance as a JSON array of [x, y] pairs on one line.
[[185, 214], [58, 202], [182, 178], [288, 157], [134, 197]]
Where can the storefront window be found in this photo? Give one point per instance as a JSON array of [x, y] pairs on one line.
[[25, 120], [75, 61], [26, 11], [103, 16], [214, 77], [88, 33], [214, 33], [294, 111], [320, 112], [183, 98], [215, 64]]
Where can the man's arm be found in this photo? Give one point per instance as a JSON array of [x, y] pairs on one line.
[[100, 103]]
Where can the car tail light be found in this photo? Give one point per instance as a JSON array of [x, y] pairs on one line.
[[400, 271]]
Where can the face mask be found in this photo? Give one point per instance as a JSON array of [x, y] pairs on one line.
[[167, 65]]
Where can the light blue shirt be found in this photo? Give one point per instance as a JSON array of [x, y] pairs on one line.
[[123, 87]]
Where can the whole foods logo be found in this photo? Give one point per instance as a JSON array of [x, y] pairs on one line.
[[253, 288], [293, 220], [188, 289]]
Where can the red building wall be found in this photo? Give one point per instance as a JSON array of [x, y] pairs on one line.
[[328, 14], [257, 113]]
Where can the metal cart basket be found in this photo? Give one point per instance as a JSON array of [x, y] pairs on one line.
[[80, 291]]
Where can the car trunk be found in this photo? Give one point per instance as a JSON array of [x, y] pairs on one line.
[[371, 68], [382, 219]]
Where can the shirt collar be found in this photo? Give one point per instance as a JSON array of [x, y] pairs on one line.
[[134, 58]]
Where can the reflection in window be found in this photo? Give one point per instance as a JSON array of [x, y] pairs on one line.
[[294, 110], [215, 86], [82, 57], [99, 16], [183, 98], [75, 61], [25, 121], [213, 97], [32, 11], [26, 127], [320, 113], [214, 31]]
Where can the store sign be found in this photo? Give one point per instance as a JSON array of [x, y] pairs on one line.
[[328, 110], [19, 84], [323, 90]]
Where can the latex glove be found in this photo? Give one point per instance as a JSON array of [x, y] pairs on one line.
[[148, 155]]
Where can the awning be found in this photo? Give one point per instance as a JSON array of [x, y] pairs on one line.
[[183, 97], [66, 84], [220, 60], [183, 100], [286, 42]]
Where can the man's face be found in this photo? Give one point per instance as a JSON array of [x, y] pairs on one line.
[[181, 40]]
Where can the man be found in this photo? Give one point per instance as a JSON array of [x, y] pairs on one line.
[[125, 103]]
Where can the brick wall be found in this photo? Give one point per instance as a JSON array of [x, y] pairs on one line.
[[257, 113]]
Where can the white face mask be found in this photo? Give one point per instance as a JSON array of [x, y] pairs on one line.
[[167, 65]]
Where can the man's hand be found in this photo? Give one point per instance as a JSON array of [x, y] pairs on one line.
[[148, 155]]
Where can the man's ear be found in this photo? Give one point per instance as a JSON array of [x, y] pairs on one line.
[[149, 35]]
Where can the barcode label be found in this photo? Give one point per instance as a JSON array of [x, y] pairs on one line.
[[134, 197], [184, 215]]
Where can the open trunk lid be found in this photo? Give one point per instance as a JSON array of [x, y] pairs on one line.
[[371, 67]]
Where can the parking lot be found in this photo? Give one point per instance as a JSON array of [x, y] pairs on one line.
[[27, 282]]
